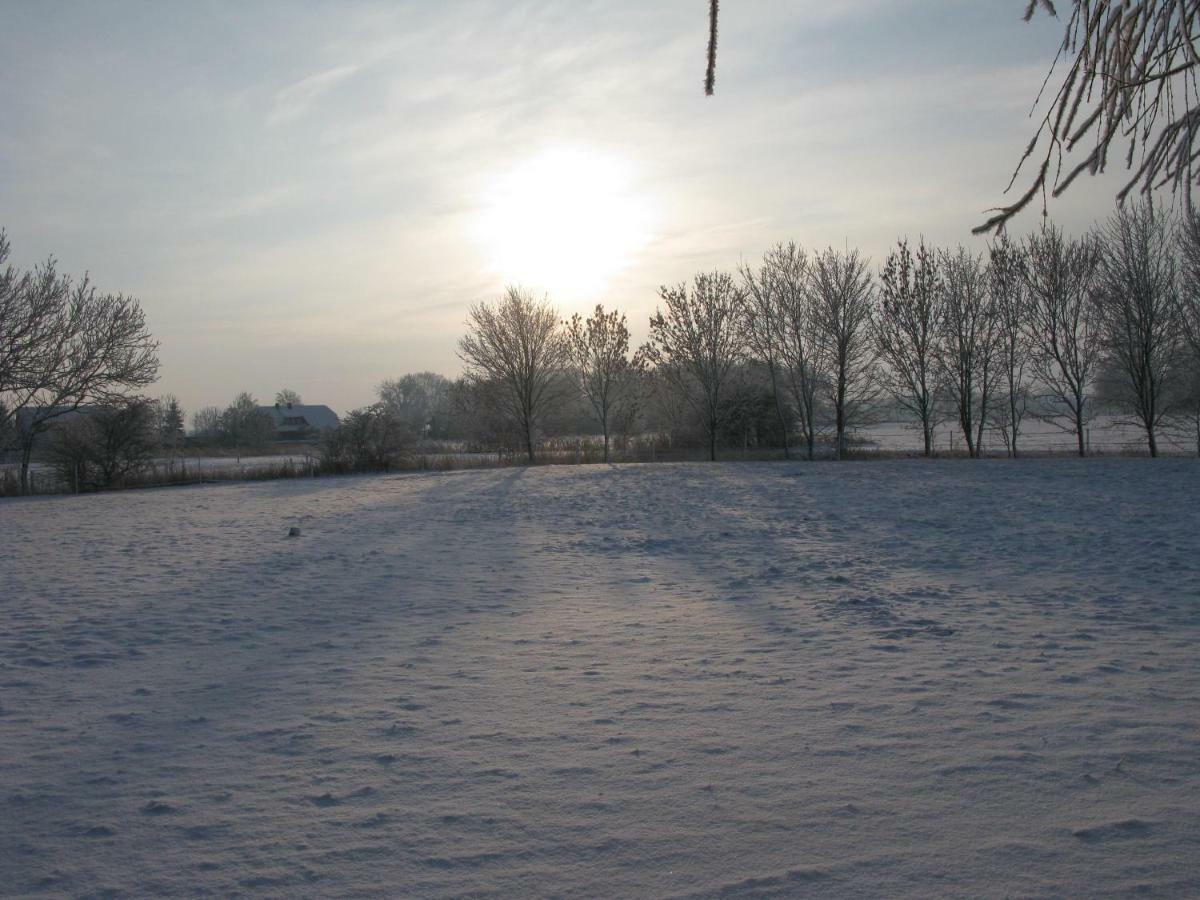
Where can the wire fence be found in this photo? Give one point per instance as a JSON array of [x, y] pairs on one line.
[[1104, 435]]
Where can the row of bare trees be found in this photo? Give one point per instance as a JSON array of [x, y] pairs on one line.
[[521, 360], [1042, 327]]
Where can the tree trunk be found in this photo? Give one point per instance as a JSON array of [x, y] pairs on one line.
[[26, 453], [983, 414], [1079, 434], [1151, 439], [712, 441], [529, 441], [783, 428], [927, 432], [779, 408], [1012, 419], [606, 442], [965, 421]]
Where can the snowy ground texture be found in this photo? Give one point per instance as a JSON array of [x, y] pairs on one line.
[[878, 679]]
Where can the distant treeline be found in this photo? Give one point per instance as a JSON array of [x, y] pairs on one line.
[[792, 353], [800, 349]]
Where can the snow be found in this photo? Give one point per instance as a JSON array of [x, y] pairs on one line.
[[1105, 434], [893, 678]]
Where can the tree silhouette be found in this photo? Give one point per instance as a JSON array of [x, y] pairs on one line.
[[518, 345]]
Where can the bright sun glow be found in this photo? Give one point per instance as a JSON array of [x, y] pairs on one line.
[[565, 222]]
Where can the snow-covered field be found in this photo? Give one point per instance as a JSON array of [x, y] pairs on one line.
[[889, 679]]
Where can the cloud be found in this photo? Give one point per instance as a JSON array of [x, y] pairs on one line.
[[314, 174], [295, 100], [249, 205]]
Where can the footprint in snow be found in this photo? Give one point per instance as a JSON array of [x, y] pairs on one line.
[[1125, 829]]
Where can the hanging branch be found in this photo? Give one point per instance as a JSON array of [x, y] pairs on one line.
[[710, 76], [1131, 80]]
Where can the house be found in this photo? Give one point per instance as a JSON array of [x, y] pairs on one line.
[[300, 421]]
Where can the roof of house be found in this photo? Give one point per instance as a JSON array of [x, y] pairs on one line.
[[313, 415]]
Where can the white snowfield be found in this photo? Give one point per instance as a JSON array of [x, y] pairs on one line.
[[885, 679]]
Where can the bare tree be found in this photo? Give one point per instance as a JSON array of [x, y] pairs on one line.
[[1188, 407], [781, 332], [206, 424], [421, 400], [611, 381], [842, 300], [771, 295], [1062, 326], [287, 397], [104, 445], [8, 430], [749, 418], [1189, 299], [907, 326], [86, 348], [69, 448], [1189, 289], [970, 328], [1140, 316], [519, 345], [1011, 305], [126, 439], [801, 345], [245, 425], [1129, 86], [482, 416], [370, 439], [671, 421], [168, 421], [31, 311], [19, 329], [697, 341]]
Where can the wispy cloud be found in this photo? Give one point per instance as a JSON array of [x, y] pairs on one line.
[[296, 99]]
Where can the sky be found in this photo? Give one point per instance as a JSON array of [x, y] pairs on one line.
[[312, 195]]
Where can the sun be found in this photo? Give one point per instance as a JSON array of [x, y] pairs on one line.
[[565, 221]]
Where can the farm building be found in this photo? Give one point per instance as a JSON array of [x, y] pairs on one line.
[[300, 421]]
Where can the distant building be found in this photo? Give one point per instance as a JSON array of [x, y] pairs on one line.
[[300, 421], [51, 416]]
